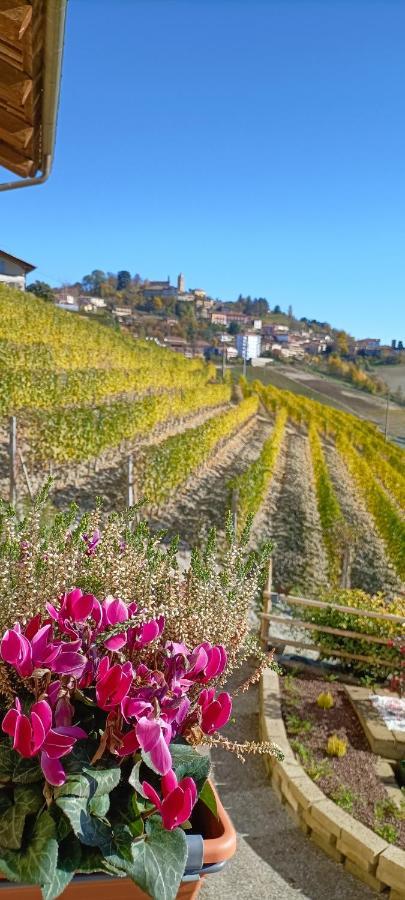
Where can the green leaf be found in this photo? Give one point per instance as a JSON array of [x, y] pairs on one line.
[[134, 778], [27, 800], [188, 762], [208, 797], [27, 771], [159, 861], [7, 760], [93, 861], [106, 779], [99, 806], [69, 856], [89, 829], [37, 862]]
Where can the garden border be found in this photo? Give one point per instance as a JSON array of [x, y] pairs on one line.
[[362, 852]]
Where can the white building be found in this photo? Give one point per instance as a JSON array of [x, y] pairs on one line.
[[248, 345], [13, 271]]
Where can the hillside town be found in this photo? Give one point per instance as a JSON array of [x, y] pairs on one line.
[[191, 322]]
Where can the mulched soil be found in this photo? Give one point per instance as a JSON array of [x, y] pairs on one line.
[[355, 770]]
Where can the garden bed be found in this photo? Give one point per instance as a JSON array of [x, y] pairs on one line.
[[351, 780]]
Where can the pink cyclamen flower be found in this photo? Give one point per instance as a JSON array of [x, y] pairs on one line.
[[215, 712], [178, 799], [40, 650], [114, 611], [75, 607], [145, 633], [207, 661], [34, 734], [112, 684], [153, 737]]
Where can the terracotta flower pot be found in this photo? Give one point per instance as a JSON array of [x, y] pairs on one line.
[[218, 845]]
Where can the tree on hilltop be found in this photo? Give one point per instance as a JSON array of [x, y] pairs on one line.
[[43, 290], [123, 279]]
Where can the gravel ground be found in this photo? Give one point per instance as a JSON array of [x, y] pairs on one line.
[[274, 860], [299, 557], [371, 570], [354, 771]]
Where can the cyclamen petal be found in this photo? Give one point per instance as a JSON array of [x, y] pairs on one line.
[[148, 733], [161, 757], [53, 770], [16, 650]]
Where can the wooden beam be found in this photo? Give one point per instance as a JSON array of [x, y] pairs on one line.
[[329, 654], [311, 626], [320, 604], [16, 162], [14, 19], [15, 87], [14, 131]]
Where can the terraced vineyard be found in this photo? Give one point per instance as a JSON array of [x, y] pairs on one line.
[[323, 484]]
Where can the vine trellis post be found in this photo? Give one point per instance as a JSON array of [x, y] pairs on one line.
[[13, 461]]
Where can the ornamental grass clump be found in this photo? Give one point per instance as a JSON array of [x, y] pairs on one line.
[[325, 700], [336, 746], [112, 676]]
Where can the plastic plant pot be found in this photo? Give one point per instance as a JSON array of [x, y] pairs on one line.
[[210, 846]]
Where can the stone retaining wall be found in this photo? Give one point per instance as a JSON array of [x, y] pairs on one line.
[[362, 852]]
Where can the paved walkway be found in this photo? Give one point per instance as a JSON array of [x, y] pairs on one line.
[[274, 861]]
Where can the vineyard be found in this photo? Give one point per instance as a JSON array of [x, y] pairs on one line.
[[87, 400]]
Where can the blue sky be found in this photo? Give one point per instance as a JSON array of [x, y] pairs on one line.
[[257, 146]]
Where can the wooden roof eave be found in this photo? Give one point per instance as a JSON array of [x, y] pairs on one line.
[[31, 48]]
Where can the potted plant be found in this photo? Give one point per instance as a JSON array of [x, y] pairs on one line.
[[112, 682]]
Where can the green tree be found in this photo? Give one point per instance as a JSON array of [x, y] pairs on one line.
[[43, 290], [92, 283], [234, 328], [123, 279]]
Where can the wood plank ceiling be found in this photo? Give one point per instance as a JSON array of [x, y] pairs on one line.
[[22, 35]]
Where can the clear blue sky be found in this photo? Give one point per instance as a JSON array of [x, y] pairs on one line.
[[258, 147]]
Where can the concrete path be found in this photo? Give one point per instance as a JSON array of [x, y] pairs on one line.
[[274, 861]]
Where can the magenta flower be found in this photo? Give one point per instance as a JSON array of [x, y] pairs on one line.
[[154, 736], [15, 649], [91, 541], [34, 734], [75, 607], [112, 684], [114, 611], [207, 662], [178, 799], [215, 713], [145, 633]]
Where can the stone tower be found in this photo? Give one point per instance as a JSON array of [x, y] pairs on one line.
[[181, 285]]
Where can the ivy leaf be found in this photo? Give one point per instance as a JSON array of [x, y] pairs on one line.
[[27, 800], [93, 861], [27, 771], [89, 829], [208, 797], [106, 779], [159, 861], [99, 806], [7, 760], [188, 763], [37, 862], [69, 856]]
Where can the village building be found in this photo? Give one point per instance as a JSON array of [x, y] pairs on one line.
[[13, 271]]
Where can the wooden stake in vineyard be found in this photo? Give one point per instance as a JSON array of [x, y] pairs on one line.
[[13, 461], [235, 498], [130, 480]]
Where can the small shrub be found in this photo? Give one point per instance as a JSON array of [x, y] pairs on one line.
[[325, 700], [388, 656], [318, 768], [336, 746], [388, 832], [387, 808], [296, 725], [302, 752], [344, 797]]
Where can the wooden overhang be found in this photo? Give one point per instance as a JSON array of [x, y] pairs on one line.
[[31, 43]]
